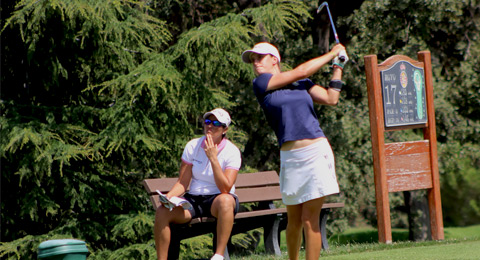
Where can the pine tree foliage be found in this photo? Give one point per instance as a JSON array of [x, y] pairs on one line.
[[105, 103], [280, 16], [58, 131]]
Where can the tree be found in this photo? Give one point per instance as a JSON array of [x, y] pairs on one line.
[[99, 98]]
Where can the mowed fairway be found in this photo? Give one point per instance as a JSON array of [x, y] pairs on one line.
[[457, 250]]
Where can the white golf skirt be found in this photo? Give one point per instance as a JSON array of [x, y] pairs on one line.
[[307, 173]]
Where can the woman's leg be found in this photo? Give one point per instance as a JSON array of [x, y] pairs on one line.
[[294, 230], [161, 230], [223, 208], [311, 225]]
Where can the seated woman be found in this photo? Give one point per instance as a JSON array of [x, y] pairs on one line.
[[210, 166]]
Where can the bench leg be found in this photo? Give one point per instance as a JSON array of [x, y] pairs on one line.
[[271, 237], [174, 247], [323, 229]]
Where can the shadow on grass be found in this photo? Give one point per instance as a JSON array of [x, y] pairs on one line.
[[366, 236]]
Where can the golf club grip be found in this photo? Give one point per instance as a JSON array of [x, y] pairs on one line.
[[342, 56]]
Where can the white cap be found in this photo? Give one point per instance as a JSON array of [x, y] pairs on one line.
[[221, 115], [261, 48]]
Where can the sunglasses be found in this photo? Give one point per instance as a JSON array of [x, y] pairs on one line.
[[215, 123]]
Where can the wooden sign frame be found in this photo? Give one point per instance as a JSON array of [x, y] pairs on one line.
[[403, 166]]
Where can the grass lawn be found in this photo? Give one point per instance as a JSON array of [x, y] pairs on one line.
[[437, 251], [362, 243]]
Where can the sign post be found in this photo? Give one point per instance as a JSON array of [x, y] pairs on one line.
[[400, 96]]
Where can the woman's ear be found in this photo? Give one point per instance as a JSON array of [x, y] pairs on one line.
[[275, 60]]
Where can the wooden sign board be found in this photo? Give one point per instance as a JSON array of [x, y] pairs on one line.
[[400, 96]]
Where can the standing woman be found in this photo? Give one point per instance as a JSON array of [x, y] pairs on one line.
[[210, 166], [307, 170]]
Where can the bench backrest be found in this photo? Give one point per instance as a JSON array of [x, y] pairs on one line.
[[249, 187]]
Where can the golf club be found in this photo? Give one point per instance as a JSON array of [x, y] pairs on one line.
[[342, 54]]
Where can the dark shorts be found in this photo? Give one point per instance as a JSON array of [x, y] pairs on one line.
[[203, 203]]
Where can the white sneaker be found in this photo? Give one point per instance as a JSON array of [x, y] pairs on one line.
[[217, 257]]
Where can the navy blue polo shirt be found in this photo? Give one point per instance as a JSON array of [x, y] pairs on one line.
[[289, 110]]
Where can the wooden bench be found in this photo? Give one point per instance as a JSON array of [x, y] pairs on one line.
[[260, 187]]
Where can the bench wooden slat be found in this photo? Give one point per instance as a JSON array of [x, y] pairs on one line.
[[264, 212], [333, 205], [164, 185], [257, 179], [258, 194], [257, 213]]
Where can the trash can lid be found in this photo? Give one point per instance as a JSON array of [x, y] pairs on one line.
[[61, 246]]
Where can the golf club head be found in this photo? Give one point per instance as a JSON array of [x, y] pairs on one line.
[[322, 6]]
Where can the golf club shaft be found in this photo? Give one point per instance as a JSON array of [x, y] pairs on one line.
[[341, 57], [333, 25]]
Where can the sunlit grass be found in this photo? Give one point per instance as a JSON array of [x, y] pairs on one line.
[[362, 243]]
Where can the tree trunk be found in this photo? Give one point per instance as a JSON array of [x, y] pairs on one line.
[[416, 204]]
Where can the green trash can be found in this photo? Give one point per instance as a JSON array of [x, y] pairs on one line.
[[62, 249]]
